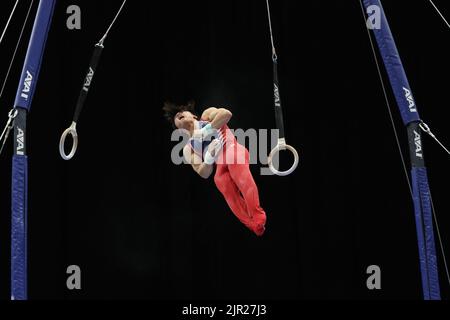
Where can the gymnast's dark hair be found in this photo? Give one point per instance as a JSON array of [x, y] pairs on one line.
[[171, 109]]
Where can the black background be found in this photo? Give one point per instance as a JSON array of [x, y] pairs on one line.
[[140, 227]]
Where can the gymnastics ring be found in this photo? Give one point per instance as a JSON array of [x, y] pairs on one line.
[[72, 130], [280, 147]]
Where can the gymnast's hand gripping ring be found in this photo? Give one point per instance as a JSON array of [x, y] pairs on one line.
[[280, 147], [72, 130]]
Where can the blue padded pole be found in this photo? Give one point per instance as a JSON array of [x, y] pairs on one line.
[[410, 115], [24, 97]]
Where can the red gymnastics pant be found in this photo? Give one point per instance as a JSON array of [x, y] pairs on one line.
[[235, 181]]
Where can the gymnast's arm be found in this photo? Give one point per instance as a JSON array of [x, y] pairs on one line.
[[217, 117], [204, 170]]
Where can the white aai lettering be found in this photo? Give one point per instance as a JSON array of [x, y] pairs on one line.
[[20, 142], [88, 80], [27, 85], [418, 142], [277, 96], [409, 97]]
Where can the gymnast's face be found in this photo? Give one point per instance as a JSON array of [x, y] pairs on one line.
[[185, 120]]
